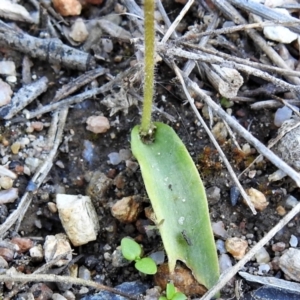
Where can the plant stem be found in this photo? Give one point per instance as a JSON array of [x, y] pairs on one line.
[[149, 35]]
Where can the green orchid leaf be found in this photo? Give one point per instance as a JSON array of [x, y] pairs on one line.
[[146, 265], [170, 290], [179, 296], [179, 202], [162, 298], [131, 250]]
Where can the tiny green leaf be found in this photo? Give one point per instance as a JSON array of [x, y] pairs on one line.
[[131, 250], [162, 298], [179, 296], [146, 265], [170, 290]]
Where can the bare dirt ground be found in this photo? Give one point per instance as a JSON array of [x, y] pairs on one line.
[[33, 139]]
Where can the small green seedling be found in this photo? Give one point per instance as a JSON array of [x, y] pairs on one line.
[[171, 294], [132, 251]]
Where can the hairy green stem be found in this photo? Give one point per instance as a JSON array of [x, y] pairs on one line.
[[149, 35]]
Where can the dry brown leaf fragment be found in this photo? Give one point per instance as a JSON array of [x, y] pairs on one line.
[[120, 101]]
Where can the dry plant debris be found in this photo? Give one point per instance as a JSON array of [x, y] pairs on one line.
[[64, 62]]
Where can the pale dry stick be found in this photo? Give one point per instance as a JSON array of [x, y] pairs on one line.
[[177, 21], [62, 279], [232, 135], [232, 29], [169, 52], [80, 97], [272, 143], [165, 18], [272, 104], [243, 61], [265, 12], [261, 148], [190, 64], [42, 172], [212, 138], [227, 275], [229, 11], [24, 97], [40, 270]]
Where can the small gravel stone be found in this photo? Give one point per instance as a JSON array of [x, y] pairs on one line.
[[278, 247], [52, 207], [125, 154], [127, 209], [224, 262], [257, 198], [219, 230], [114, 158], [281, 115], [279, 34], [57, 296], [291, 201], [5, 172], [84, 273], [293, 241], [5, 93], [213, 195], [8, 196], [234, 195], [42, 291], [289, 263], [97, 124], [281, 210], [158, 257], [3, 263], [236, 247], [15, 147], [263, 269], [262, 256], [55, 246], [32, 163], [6, 182], [78, 217], [83, 290], [220, 244], [118, 259], [37, 253], [24, 243], [37, 126], [7, 68], [67, 7], [78, 31], [220, 131], [69, 295]]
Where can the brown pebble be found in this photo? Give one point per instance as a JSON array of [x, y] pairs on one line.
[[182, 278], [236, 247], [127, 209], [120, 181], [41, 291], [275, 263], [7, 254], [281, 210], [278, 247], [257, 198], [37, 126], [111, 173], [67, 7], [24, 243], [97, 124]]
